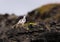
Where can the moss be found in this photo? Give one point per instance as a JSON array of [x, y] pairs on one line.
[[46, 8], [44, 12]]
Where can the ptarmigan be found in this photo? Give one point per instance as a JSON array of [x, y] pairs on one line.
[[22, 21]]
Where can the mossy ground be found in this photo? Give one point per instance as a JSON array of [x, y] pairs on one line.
[[38, 28]]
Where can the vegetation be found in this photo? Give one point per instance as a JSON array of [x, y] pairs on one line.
[[42, 25]]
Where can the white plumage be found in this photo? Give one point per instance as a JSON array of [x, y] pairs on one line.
[[22, 21]]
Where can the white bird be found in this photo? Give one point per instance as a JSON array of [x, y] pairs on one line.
[[22, 21]]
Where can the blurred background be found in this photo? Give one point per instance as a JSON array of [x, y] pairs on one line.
[[21, 7]]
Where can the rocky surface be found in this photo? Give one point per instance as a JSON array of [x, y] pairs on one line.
[[47, 28]]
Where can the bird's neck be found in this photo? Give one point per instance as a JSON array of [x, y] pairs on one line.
[[24, 17]]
